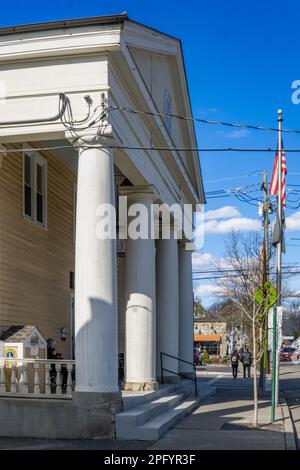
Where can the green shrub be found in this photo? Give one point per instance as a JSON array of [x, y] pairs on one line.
[[215, 360], [205, 357], [225, 359]]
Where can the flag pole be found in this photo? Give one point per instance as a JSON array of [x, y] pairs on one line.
[[279, 247]]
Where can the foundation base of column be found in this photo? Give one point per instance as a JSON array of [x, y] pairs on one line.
[[85, 416], [140, 386]]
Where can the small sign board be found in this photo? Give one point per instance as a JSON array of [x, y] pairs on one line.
[[270, 292], [275, 311]]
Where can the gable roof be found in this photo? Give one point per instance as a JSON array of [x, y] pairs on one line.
[[62, 24], [16, 333], [132, 28]]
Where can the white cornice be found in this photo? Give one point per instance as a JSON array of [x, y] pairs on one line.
[[59, 43], [136, 36]]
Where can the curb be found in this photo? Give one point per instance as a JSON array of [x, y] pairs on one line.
[[290, 438]]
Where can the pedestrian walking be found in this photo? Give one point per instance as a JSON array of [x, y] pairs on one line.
[[234, 363], [246, 359]]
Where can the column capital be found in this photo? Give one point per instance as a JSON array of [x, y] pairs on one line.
[[138, 193], [100, 136], [187, 245]]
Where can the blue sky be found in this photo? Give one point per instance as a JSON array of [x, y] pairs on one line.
[[241, 59]]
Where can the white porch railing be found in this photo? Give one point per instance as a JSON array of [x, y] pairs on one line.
[[37, 377]]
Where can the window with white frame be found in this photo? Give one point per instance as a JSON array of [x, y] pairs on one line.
[[35, 188]]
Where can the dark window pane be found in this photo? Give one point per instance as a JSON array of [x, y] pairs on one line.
[[39, 208], [27, 200], [39, 178], [27, 170]]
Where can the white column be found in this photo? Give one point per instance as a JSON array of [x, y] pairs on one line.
[[95, 273], [186, 308], [167, 306], [140, 329]]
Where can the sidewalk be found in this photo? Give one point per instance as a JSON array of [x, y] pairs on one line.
[[224, 422]]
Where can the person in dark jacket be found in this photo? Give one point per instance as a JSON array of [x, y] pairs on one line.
[[234, 363], [246, 359], [53, 354]]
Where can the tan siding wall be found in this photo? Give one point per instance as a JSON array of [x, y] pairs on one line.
[[35, 263]]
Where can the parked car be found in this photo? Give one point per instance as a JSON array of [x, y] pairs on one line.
[[296, 356], [286, 354]]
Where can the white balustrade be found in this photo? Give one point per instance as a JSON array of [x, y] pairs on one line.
[[21, 380], [69, 380], [58, 378], [13, 380], [36, 367], [47, 378], [2, 378], [25, 378]]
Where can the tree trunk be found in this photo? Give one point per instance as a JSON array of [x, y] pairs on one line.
[[255, 396]]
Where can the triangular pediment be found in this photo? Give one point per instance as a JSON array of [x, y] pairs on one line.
[[159, 60]]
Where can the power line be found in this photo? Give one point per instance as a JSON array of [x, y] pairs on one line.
[[196, 119], [229, 270], [238, 275], [150, 148], [255, 173]]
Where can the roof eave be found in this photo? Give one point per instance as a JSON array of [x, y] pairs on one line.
[[62, 24]]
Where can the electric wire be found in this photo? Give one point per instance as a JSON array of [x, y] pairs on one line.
[[205, 121]]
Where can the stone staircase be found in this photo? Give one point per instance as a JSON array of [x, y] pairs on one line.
[[149, 416]]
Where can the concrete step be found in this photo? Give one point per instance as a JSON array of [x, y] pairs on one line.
[[134, 399], [156, 427], [127, 421], [151, 414]]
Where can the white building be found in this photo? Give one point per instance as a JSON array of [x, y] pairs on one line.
[[133, 299]]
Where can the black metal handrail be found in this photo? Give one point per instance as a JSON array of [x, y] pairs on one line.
[[180, 374]]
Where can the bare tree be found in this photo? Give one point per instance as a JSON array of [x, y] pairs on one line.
[[239, 283], [292, 319]]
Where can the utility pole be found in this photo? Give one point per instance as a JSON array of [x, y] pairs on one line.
[[276, 351], [279, 244], [265, 278]]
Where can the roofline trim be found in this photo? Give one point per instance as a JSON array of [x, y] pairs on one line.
[[49, 25]]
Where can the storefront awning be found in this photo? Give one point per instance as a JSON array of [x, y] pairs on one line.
[[207, 338]]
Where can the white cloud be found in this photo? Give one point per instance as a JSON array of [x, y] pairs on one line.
[[207, 260], [208, 111], [203, 290], [293, 221], [225, 212], [236, 134], [239, 224], [201, 260]]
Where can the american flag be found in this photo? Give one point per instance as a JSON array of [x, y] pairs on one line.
[[273, 191]]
